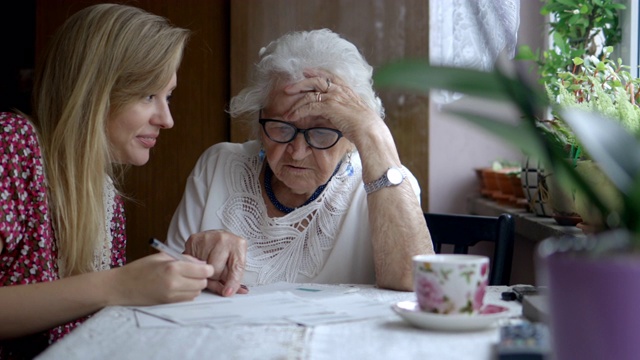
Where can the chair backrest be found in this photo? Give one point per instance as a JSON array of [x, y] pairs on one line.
[[463, 231]]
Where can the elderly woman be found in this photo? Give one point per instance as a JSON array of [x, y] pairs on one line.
[[321, 195]]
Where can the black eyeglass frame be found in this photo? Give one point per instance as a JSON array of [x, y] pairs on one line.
[[297, 130]]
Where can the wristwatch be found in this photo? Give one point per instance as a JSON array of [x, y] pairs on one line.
[[394, 176]]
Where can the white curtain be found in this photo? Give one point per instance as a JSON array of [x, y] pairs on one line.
[[471, 34]]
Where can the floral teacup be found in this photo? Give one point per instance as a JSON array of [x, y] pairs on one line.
[[450, 283]]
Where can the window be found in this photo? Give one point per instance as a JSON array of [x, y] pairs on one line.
[[628, 49]]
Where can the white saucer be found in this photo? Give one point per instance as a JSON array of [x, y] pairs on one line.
[[410, 311]]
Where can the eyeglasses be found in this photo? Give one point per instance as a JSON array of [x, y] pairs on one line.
[[283, 132]]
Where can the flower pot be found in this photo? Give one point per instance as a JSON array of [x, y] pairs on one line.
[[562, 203], [506, 188], [490, 181], [519, 199], [593, 300], [481, 184], [516, 183], [603, 187], [534, 186]]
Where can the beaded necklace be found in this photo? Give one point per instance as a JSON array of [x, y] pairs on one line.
[[268, 174]]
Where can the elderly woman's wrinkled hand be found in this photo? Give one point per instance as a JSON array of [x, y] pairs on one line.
[[227, 253], [326, 95]]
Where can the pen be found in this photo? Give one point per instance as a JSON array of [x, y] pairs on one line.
[[158, 245]]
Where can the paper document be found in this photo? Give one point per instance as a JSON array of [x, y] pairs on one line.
[[302, 304]]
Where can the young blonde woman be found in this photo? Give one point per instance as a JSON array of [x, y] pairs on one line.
[[101, 101]]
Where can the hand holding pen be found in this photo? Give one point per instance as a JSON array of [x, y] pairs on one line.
[[223, 282], [160, 246]]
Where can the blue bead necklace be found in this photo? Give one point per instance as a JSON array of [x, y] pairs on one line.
[[268, 174]]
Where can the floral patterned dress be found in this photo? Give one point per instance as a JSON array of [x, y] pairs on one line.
[[30, 254]]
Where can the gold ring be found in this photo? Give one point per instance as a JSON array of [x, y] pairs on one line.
[[328, 85], [319, 97]]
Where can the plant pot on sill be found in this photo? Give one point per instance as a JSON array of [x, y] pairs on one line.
[[490, 181], [516, 183], [481, 185], [533, 178], [506, 194], [562, 203], [593, 299], [601, 184]]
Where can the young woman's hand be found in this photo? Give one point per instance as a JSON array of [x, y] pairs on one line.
[[158, 279]]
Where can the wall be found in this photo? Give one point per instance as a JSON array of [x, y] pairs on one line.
[[16, 35]]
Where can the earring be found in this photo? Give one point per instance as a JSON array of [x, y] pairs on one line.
[[261, 154], [349, 166]]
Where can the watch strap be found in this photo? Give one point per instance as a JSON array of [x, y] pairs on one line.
[[383, 181]]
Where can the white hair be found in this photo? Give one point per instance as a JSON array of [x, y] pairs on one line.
[[291, 54]]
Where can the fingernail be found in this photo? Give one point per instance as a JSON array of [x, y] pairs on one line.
[[244, 287], [227, 292]]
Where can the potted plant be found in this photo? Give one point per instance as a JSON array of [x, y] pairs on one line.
[[606, 87], [592, 281], [498, 182], [577, 29], [585, 29]]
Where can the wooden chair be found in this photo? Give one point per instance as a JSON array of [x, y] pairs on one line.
[[463, 231]]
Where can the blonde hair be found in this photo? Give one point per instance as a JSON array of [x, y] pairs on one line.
[[102, 59]]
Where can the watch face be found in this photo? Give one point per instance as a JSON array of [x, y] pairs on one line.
[[395, 176]]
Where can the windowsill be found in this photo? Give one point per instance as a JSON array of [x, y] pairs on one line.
[[527, 224], [530, 230]]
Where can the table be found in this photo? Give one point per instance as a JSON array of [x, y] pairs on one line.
[[113, 333]]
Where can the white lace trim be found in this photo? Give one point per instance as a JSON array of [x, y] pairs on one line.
[[102, 254], [281, 248]]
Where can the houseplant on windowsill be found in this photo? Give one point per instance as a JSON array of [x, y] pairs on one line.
[[606, 87], [577, 30], [593, 281]]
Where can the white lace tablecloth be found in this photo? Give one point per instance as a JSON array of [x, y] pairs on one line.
[[113, 333]]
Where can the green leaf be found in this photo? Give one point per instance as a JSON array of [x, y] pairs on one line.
[[418, 75], [526, 54], [569, 3], [521, 135]]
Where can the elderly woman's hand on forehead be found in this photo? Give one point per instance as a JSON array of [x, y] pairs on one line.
[[326, 95]]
